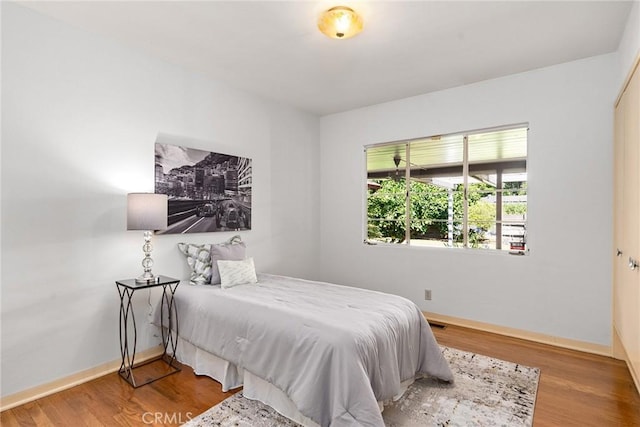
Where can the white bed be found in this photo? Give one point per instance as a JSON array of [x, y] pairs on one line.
[[318, 353]]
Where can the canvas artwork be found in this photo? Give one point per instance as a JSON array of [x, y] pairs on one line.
[[207, 191]]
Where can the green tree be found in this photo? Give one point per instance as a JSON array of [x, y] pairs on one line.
[[386, 209], [515, 188], [515, 208], [482, 215]]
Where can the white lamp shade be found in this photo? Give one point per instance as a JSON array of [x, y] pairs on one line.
[[147, 211]]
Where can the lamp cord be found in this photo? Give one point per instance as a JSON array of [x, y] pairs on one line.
[[149, 302]]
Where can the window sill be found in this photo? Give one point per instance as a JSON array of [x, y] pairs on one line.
[[492, 252]]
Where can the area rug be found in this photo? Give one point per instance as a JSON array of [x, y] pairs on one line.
[[486, 392]]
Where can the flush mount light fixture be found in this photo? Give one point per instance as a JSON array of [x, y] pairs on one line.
[[340, 22]]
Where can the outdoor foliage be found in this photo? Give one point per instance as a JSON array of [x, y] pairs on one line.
[[515, 208], [482, 215], [516, 188], [429, 209]]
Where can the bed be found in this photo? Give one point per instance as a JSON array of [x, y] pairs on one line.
[[318, 353]]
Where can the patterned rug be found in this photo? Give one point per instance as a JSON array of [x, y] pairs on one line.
[[486, 392]]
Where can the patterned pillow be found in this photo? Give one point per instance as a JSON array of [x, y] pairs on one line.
[[199, 260], [233, 273]]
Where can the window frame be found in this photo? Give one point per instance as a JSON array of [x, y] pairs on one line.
[[465, 176]]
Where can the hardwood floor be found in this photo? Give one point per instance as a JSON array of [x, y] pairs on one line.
[[111, 401], [576, 389]]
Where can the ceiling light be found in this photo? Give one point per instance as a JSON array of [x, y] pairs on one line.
[[340, 22]]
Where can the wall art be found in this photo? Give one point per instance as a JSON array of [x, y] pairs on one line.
[[207, 191]]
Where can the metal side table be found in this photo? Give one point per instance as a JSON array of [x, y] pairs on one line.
[[126, 289]]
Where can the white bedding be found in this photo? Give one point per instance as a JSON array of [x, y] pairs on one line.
[[334, 351]]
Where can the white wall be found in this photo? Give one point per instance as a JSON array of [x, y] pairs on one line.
[[629, 47], [563, 287], [80, 116]]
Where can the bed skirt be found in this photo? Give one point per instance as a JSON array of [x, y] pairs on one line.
[[230, 377], [255, 388]]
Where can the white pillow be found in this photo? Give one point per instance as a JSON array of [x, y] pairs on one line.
[[233, 273]]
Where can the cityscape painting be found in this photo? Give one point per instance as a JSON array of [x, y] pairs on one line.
[[207, 191]]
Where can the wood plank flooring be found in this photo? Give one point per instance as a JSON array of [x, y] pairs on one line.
[[576, 389]]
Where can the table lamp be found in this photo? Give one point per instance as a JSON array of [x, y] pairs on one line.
[[148, 212]]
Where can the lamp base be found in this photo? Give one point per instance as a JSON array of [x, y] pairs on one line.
[[147, 262], [146, 278]]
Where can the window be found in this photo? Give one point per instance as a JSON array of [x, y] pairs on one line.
[[466, 190]]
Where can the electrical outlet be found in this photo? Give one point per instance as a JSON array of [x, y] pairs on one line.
[[427, 294]]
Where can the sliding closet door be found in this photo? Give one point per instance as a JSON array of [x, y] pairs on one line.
[[627, 223], [632, 215]]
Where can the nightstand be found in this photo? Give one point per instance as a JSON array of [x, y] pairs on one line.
[[169, 313]]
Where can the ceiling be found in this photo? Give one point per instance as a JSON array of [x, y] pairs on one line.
[[274, 49]]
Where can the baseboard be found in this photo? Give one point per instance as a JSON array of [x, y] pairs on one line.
[[618, 349], [43, 390], [587, 347], [621, 353]]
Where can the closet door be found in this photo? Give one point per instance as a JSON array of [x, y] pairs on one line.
[[632, 218], [627, 229], [618, 225]]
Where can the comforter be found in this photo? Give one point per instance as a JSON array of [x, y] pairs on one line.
[[334, 350]]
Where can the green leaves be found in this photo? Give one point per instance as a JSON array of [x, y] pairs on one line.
[[386, 209], [429, 207]]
